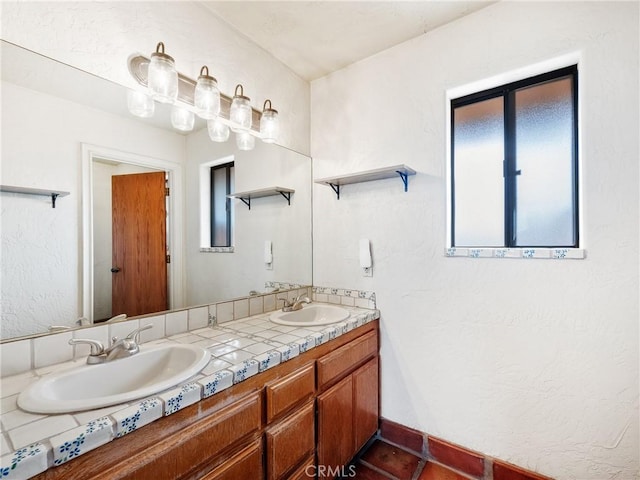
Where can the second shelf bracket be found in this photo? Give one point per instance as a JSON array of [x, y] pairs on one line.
[[405, 179], [287, 195], [336, 188], [246, 201]]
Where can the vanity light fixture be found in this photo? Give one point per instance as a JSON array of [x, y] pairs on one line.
[[207, 96], [218, 130], [162, 76], [240, 113], [140, 104], [245, 141], [182, 119], [269, 123], [164, 83]]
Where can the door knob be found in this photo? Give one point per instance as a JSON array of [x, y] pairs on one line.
[[115, 270]]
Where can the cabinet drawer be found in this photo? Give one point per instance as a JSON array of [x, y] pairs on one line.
[[340, 362], [220, 431], [306, 471], [289, 391], [246, 464], [290, 441]]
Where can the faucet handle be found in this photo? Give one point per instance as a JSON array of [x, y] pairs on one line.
[[135, 335], [96, 347]]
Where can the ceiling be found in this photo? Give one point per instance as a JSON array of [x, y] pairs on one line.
[[315, 38]]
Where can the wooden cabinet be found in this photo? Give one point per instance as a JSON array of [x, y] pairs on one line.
[[290, 442], [284, 394], [348, 411], [246, 464]]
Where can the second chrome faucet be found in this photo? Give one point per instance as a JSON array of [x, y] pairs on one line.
[[119, 348]]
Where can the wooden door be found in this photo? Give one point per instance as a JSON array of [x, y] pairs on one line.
[[139, 243], [335, 432]]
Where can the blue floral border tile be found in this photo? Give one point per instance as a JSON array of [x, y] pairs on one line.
[[215, 383], [75, 442], [244, 370], [183, 396], [526, 253], [267, 360], [305, 344], [136, 416], [25, 462], [287, 352]]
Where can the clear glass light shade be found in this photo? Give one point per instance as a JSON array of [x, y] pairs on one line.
[[218, 131], [245, 141], [140, 104], [182, 119], [162, 77], [240, 112], [207, 97], [269, 126]]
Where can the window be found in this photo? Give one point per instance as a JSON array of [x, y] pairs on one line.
[[222, 178], [514, 164]]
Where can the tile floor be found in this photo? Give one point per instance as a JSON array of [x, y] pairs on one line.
[[383, 461]]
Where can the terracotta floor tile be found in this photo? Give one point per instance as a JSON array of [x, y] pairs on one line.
[[393, 460], [433, 471], [362, 472]]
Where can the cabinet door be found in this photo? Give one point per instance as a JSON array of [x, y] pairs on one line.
[[290, 441], [365, 403], [285, 393], [335, 432], [245, 465], [306, 471]]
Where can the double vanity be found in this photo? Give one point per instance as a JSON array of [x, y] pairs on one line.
[[284, 394]]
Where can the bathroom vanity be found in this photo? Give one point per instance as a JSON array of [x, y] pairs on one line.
[[297, 418]]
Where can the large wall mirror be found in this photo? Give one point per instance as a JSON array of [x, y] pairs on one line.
[[66, 130]]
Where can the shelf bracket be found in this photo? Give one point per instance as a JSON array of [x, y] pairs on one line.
[[404, 177], [336, 188], [287, 195], [246, 201], [54, 197]]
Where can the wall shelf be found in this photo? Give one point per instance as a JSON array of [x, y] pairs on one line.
[[262, 192], [401, 171], [54, 194]]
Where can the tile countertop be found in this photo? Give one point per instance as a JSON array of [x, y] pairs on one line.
[[32, 443]]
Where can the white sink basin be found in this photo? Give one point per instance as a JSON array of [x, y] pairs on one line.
[[150, 371], [311, 314]]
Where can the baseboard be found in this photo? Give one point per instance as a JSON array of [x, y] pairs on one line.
[[474, 464]]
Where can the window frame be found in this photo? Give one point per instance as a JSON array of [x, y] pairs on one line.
[[507, 91], [227, 166]]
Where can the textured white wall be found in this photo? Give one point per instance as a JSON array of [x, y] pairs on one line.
[[42, 247], [531, 361], [98, 37]]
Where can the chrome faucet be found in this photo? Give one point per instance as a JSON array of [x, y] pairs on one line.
[[119, 348], [295, 304]]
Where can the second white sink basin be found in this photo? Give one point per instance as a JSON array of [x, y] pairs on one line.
[[150, 371], [311, 314]]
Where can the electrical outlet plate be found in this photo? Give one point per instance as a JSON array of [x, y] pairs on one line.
[[367, 272]]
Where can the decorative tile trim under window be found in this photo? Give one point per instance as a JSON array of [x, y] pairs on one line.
[[216, 249], [547, 253], [342, 296]]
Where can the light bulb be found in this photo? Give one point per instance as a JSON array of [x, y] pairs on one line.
[[182, 119], [140, 104], [269, 123], [245, 141], [207, 96], [240, 113], [218, 131], [162, 76]]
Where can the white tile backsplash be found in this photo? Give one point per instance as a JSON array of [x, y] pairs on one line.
[[177, 322], [198, 317], [52, 349], [100, 333], [225, 312], [15, 357], [240, 309], [157, 330], [122, 329]]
